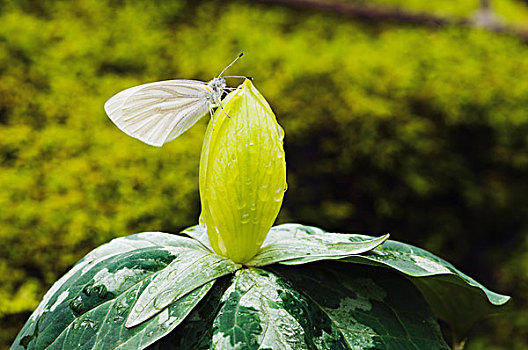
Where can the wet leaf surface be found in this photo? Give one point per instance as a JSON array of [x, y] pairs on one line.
[[317, 306], [162, 285], [87, 308], [188, 271], [286, 244], [452, 295]]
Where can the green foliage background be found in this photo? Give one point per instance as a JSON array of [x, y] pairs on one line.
[[415, 131]]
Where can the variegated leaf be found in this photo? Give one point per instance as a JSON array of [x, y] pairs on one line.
[[87, 307]]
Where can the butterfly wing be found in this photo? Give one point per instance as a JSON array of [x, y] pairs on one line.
[[159, 112]]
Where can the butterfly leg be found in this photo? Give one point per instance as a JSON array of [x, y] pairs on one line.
[[212, 120]]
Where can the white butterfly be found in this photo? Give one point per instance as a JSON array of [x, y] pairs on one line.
[[159, 112]]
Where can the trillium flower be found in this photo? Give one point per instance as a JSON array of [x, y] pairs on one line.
[[169, 291], [242, 174]]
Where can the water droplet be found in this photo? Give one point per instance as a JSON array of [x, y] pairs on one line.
[[117, 319], [248, 181], [87, 323], [87, 289], [153, 289], [269, 169], [101, 290], [163, 299], [264, 193], [121, 307], [278, 195], [253, 207], [244, 219], [150, 334], [241, 205], [281, 133], [301, 312], [76, 305]]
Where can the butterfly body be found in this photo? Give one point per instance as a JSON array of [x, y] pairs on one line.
[[217, 87]]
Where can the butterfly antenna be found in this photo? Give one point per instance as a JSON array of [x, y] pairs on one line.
[[239, 76], [222, 72]]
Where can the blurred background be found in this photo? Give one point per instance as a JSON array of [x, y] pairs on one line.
[[401, 116]]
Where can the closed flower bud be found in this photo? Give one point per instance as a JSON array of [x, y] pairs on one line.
[[242, 174]]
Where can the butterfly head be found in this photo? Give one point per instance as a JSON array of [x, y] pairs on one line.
[[217, 84]]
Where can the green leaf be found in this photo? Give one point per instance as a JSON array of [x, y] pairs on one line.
[[253, 314], [283, 245], [300, 244], [372, 308], [89, 305], [189, 270], [326, 305], [452, 295], [196, 331], [198, 233]]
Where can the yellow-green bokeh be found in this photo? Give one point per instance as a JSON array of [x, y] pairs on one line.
[[390, 126]]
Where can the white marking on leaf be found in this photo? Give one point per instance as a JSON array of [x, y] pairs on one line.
[[53, 290], [114, 281], [430, 265], [59, 300]]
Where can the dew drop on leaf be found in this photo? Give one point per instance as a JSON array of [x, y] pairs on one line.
[[121, 307], [87, 289], [160, 301], [87, 323], [76, 305], [101, 291]]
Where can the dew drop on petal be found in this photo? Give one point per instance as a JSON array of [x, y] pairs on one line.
[[244, 219]]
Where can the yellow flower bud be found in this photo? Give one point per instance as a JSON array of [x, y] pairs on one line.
[[242, 174]]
